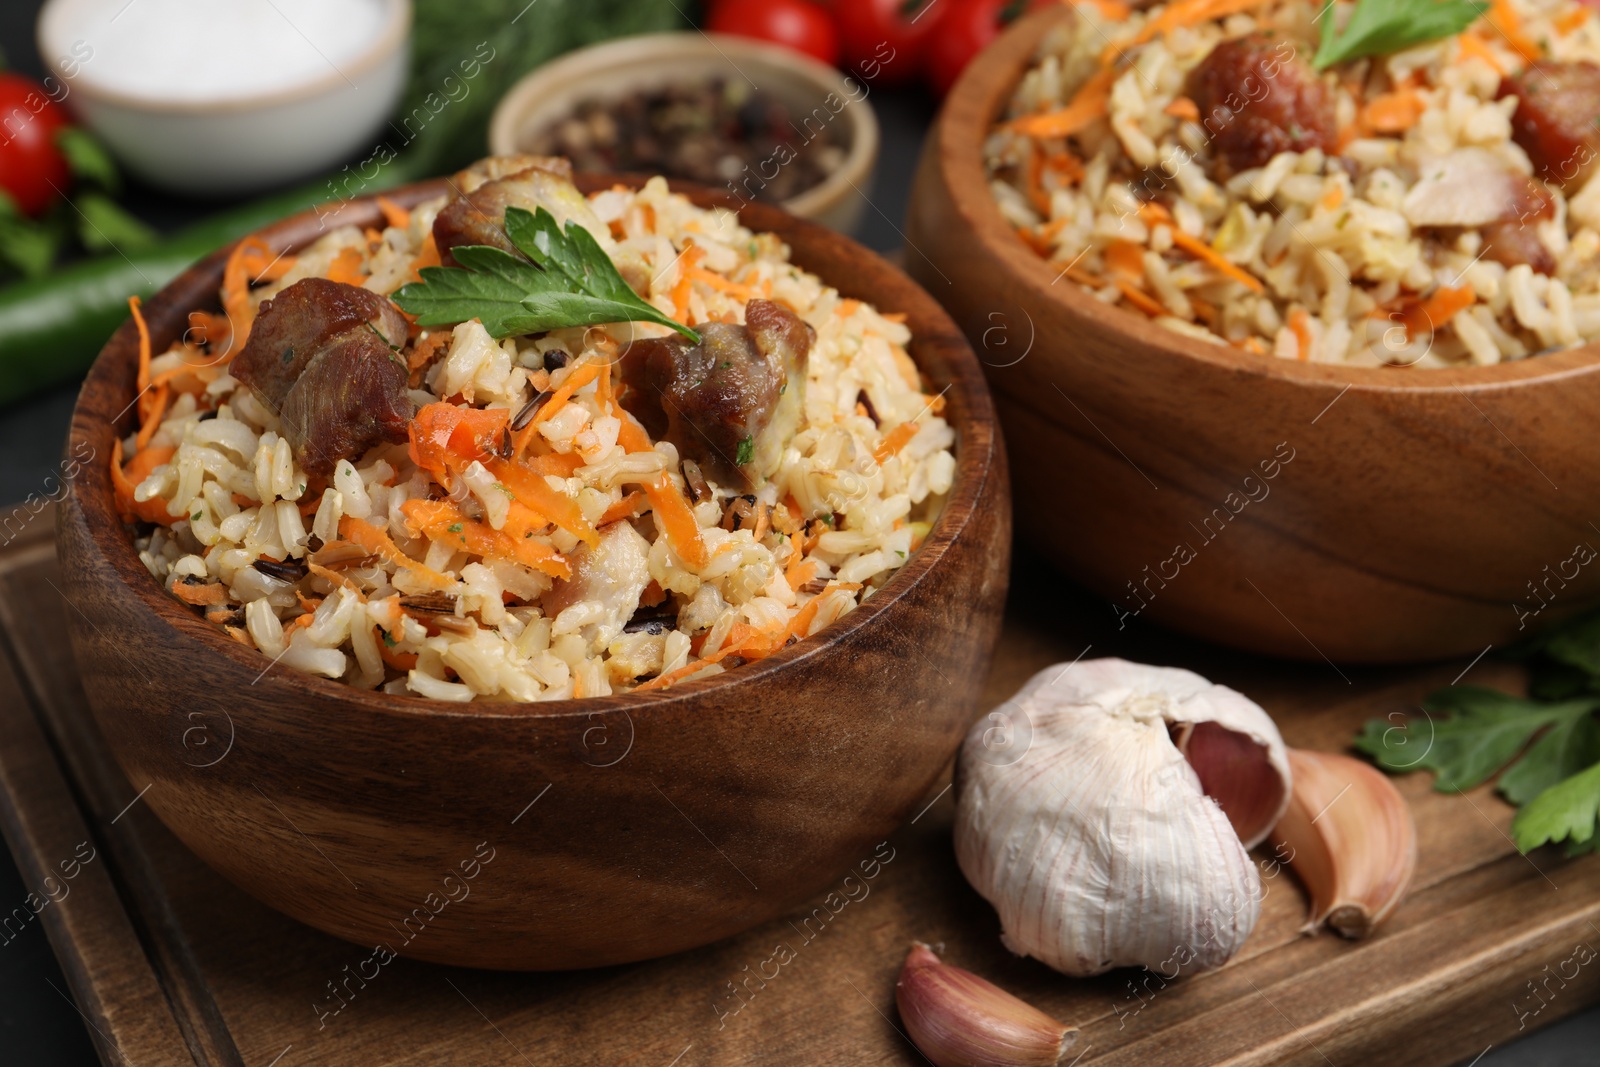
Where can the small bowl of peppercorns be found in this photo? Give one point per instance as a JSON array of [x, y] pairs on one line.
[[752, 120]]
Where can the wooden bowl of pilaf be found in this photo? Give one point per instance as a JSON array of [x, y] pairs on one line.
[[1398, 496], [567, 832]]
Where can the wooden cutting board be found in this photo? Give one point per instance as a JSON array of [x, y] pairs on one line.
[[171, 965]]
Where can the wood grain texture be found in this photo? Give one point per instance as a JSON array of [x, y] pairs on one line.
[[1447, 977], [663, 820], [1419, 504]]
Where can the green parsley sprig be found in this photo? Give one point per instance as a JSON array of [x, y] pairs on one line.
[[570, 282], [1383, 27], [1545, 747]]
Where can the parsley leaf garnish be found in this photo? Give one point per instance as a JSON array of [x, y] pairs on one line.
[[1546, 745], [746, 451], [1383, 27], [570, 282]]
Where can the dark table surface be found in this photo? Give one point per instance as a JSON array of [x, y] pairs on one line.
[[39, 1025]]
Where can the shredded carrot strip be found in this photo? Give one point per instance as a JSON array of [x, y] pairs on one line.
[[1088, 104], [677, 520], [428, 256], [1124, 259], [1183, 13], [1394, 112], [1438, 309], [1085, 279], [142, 382], [1035, 183], [581, 376], [1154, 213], [125, 479], [1503, 17], [1473, 46], [800, 570], [335, 577], [346, 267], [1300, 325], [158, 408], [1183, 108], [894, 441], [393, 213], [1139, 298], [445, 522], [250, 261], [210, 593], [848, 306], [680, 289], [376, 541], [717, 281], [1110, 10], [1571, 20], [400, 661], [1332, 198], [626, 508], [529, 487]]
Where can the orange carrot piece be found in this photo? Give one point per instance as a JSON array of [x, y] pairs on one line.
[[1394, 112], [1567, 22], [441, 432], [152, 417], [677, 520], [1503, 17], [581, 376], [346, 267], [427, 257], [626, 508], [1300, 326], [894, 441], [377, 542], [444, 522], [1332, 198], [126, 478], [681, 288], [529, 487], [1125, 259], [393, 213], [1139, 298], [1473, 46], [1436, 310], [1089, 103], [1110, 10], [1183, 108], [1154, 214]]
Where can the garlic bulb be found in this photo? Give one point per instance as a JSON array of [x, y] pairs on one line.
[[1105, 811]]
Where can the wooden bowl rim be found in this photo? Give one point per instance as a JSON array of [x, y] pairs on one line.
[[961, 129], [100, 410]]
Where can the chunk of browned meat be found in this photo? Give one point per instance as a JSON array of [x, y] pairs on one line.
[[351, 396], [732, 402], [297, 323], [1515, 239], [478, 217], [322, 354], [1258, 98], [1557, 107]]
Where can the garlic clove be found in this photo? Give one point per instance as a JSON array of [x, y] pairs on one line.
[[960, 1020], [1246, 777], [1350, 837]]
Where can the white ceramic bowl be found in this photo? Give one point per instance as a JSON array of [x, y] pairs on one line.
[[617, 69], [241, 144]]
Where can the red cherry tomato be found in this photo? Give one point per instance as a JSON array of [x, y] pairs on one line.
[[965, 30], [795, 24], [884, 40], [32, 168]]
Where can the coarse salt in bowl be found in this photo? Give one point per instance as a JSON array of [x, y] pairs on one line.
[[222, 97]]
